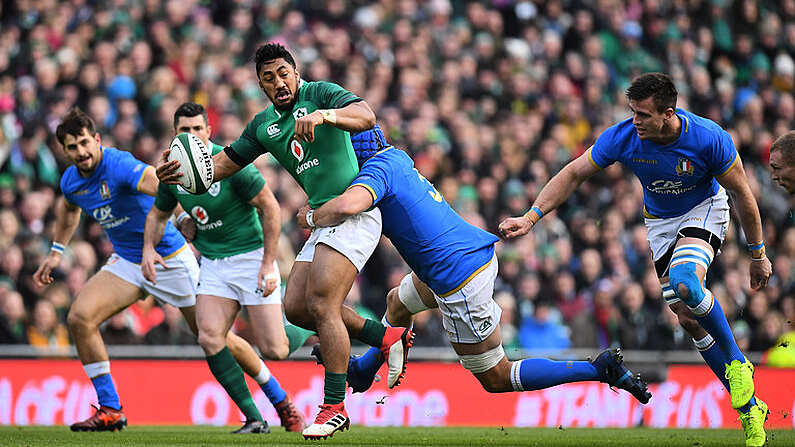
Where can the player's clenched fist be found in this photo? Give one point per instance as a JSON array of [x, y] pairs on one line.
[[42, 275], [760, 270], [305, 126], [515, 226]]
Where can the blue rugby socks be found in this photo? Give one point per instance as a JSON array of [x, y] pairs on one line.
[[99, 373], [269, 385], [536, 374]]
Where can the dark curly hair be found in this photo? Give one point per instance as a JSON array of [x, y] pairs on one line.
[[270, 51], [654, 85], [73, 124]]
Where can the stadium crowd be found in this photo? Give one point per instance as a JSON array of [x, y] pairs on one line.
[[491, 98]]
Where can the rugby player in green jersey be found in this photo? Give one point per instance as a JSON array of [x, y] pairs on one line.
[[238, 268], [306, 129]]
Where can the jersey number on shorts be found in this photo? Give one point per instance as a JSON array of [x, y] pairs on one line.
[[433, 192]]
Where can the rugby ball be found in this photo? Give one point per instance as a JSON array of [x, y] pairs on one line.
[[196, 162]]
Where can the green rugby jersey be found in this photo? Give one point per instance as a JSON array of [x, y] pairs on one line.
[[226, 224], [323, 168]]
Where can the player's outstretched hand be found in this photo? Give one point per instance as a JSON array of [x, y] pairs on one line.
[[168, 171], [760, 271], [305, 127], [267, 278], [42, 275], [188, 229], [515, 226], [149, 258], [301, 217]]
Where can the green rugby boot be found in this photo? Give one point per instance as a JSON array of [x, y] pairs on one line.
[[741, 382], [754, 424]]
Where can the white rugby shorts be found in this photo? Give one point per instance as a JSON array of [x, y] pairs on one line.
[[712, 215], [470, 314], [235, 278], [176, 285], [356, 238]]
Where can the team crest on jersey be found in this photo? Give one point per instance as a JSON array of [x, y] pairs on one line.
[[300, 113], [684, 167], [214, 189], [200, 214], [297, 150], [104, 190]]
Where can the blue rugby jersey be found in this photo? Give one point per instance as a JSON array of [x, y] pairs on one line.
[[440, 247], [111, 197], [675, 177]]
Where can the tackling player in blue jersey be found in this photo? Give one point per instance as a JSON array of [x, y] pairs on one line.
[[684, 162], [454, 269], [118, 191]]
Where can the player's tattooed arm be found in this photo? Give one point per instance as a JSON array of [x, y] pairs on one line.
[[355, 117], [153, 231], [67, 218], [353, 201], [736, 182], [267, 278], [554, 193]]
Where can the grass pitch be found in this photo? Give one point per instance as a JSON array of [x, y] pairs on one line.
[[151, 436]]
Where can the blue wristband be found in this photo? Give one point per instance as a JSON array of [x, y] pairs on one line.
[[58, 248], [755, 247], [538, 211]]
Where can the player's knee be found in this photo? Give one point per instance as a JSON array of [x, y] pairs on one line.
[[274, 351], [211, 340], [395, 310], [79, 321], [318, 307], [686, 283], [489, 368]]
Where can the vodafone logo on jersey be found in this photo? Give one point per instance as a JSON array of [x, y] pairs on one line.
[[297, 150], [200, 214]]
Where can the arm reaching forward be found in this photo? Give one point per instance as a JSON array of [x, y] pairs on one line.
[[552, 195]]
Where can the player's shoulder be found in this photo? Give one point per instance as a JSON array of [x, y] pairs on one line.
[[700, 126], [388, 159], [69, 179]]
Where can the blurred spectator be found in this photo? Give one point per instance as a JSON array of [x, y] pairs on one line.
[[172, 331], [12, 319], [540, 331], [117, 330], [45, 329]]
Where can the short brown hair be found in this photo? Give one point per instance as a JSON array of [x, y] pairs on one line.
[[785, 144], [658, 86], [73, 124]]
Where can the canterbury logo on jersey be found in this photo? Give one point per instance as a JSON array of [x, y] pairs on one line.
[[273, 130]]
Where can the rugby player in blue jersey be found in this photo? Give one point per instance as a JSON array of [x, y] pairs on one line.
[[685, 164], [454, 269], [118, 191]]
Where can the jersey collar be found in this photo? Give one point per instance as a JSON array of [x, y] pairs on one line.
[[297, 92]]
